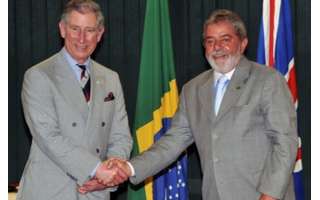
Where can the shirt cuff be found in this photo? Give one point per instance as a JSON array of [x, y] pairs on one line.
[[93, 173], [131, 168]]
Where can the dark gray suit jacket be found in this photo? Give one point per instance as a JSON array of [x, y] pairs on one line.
[[249, 148], [70, 137]]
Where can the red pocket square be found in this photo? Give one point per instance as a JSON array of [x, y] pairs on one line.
[[110, 97]]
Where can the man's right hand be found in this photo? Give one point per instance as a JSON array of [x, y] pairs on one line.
[[122, 166], [113, 172]]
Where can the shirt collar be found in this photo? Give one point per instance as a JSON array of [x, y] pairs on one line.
[[217, 75], [73, 63]]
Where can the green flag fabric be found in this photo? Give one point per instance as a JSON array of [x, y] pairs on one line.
[[157, 102]]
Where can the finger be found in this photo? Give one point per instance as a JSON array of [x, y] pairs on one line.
[[123, 173], [89, 183], [100, 181], [115, 160], [106, 175], [110, 162], [110, 184], [118, 179], [81, 190], [87, 187], [110, 181], [107, 180], [125, 169], [95, 186]]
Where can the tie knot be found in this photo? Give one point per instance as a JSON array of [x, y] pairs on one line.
[[83, 67], [84, 72], [222, 80]]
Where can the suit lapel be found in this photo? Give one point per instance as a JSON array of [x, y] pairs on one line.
[[236, 86], [206, 97], [69, 86]]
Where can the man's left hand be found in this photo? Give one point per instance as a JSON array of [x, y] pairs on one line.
[[90, 186], [266, 197]]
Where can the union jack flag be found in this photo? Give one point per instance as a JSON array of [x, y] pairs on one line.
[[275, 49]]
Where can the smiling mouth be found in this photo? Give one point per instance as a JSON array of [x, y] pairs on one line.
[[219, 57], [81, 47], [219, 54]]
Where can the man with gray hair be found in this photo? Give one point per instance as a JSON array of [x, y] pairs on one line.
[[75, 110], [241, 117]]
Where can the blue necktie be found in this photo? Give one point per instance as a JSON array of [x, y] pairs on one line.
[[221, 86]]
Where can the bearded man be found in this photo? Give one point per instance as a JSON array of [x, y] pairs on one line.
[[241, 117]]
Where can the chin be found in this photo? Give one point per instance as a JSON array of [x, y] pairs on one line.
[[220, 64], [82, 55], [221, 69]]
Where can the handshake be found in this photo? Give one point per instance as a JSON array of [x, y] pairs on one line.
[[110, 173]]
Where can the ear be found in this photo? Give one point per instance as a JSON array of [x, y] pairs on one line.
[[244, 44], [62, 28], [100, 33]]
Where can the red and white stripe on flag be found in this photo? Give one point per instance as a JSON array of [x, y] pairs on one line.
[[276, 49]]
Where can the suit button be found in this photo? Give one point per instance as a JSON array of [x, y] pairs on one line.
[[97, 150], [103, 124], [74, 124]]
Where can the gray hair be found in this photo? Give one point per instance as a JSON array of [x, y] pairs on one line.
[[229, 16], [83, 6]]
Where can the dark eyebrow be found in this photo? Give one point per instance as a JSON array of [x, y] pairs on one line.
[[221, 36], [73, 25], [225, 35], [209, 37]]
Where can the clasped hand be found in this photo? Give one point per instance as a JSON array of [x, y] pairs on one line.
[[110, 173]]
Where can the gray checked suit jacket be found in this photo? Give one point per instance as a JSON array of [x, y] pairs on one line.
[[249, 148], [70, 137]]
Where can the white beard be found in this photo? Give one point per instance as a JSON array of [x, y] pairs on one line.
[[229, 64]]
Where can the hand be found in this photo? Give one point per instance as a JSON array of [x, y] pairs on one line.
[[105, 173], [113, 172], [266, 197], [122, 165], [90, 186]]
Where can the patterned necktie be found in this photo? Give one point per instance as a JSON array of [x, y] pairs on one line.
[[221, 86], [85, 82]]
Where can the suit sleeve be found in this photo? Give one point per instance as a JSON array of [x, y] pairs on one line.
[[167, 149], [41, 117], [120, 141], [281, 129]]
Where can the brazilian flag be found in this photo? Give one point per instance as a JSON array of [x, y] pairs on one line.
[[157, 102]]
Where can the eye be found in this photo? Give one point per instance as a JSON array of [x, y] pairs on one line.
[[226, 40], [74, 28], [91, 30], [209, 42]]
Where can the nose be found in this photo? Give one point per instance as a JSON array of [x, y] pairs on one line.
[[82, 36], [217, 45]]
